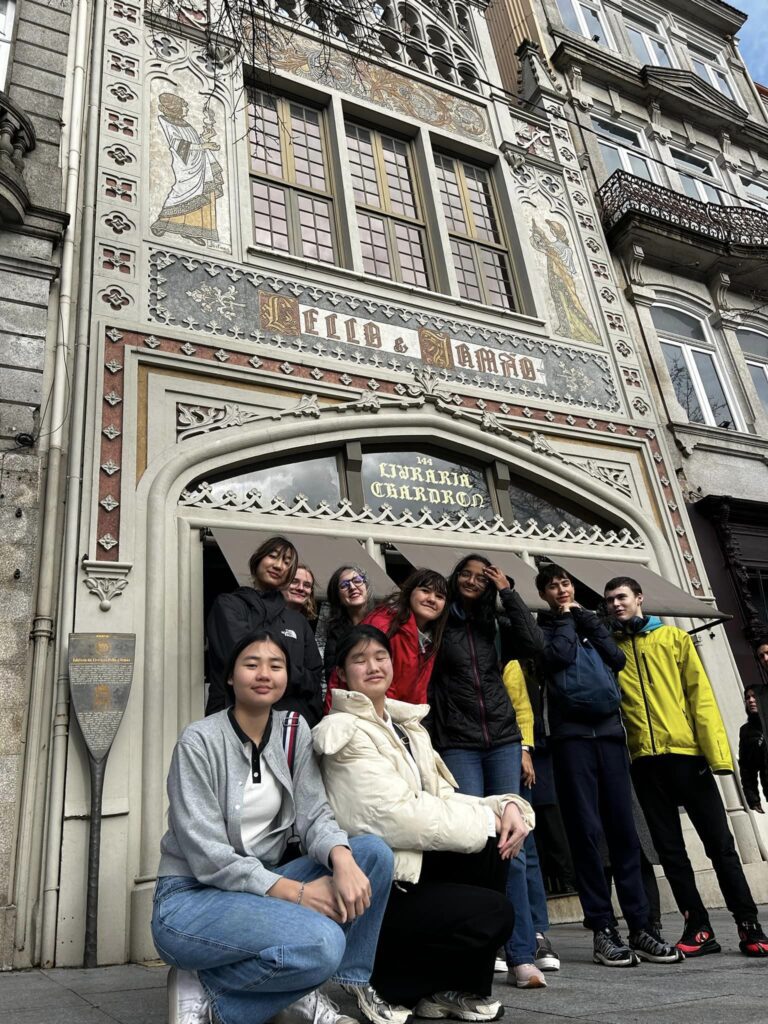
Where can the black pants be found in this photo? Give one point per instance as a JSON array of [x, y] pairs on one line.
[[554, 852], [594, 793], [442, 933], [663, 784], [650, 885]]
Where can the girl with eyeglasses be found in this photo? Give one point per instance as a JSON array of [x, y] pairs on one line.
[[273, 566], [412, 619], [473, 721], [350, 598]]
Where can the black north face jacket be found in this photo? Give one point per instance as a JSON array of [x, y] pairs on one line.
[[471, 709], [245, 610]]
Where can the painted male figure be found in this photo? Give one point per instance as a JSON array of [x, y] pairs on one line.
[[677, 741]]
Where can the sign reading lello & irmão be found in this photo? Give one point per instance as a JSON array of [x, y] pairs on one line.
[[410, 481]]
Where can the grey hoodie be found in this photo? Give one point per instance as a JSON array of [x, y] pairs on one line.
[[208, 772]]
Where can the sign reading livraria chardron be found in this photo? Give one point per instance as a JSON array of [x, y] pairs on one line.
[[366, 334], [413, 481]]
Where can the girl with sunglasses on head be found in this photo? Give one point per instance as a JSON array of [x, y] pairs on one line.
[[350, 598], [250, 933], [447, 911], [273, 566], [473, 721], [412, 619]]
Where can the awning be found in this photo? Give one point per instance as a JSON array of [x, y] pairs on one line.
[[443, 558], [660, 596], [323, 555]]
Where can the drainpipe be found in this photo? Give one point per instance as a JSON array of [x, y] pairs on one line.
[[70, 561], [42, 632]]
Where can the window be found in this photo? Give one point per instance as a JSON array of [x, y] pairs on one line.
[[693, 370], [648, 42], [290, 180], [409, 481], [621, 149], [317, 479], [753, 343], [757, 581], [757, 192], [479, 253], [697, 177], [586, 18], [7, 11], [707, 66], [392, 233]]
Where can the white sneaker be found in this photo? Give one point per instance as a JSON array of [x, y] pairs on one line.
[[500, 963], [313, 1008], [373, 1007], [187, 999], [459, 1006], [526, 976]]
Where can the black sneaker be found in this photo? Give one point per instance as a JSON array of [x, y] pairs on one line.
[[697, 940], [753, 940], [650, 946], [546, 959], [610, 951]]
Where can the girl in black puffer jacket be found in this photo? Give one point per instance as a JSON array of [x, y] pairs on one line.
[[473, 722]]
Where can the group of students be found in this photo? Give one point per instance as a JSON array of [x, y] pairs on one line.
[[387, 845]]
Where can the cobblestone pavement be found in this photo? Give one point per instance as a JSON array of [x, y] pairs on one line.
[[724, 989]]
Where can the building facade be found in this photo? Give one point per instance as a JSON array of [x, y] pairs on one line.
[[35, 58], [671, 134], [351, 287]]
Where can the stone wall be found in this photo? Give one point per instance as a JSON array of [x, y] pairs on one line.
[[29, 256]]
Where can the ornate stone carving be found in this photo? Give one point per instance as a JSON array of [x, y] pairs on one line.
[[250, 501], [202, 419], [613, 476], [106, 580]]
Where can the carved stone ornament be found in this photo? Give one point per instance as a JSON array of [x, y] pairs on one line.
[[192, 420], [106, 580], [251, 501], [614, 476]]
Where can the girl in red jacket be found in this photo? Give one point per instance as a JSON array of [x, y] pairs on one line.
[[413, 619]]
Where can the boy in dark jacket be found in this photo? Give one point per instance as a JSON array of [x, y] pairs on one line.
[[753, 754], [592, 773]]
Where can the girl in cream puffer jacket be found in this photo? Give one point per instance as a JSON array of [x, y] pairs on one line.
[[373, 788]]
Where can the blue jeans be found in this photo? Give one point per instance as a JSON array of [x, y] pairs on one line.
[[256, 954], [487, 773], [537, 895]]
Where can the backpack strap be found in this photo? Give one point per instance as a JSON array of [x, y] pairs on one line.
[[290, 731]]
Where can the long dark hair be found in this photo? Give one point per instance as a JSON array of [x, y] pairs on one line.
[[482, 612], [338, 615], [400, 603], [279, 545], [258, 636]]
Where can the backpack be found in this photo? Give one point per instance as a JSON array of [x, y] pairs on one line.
[[290, 729], [587, 689]]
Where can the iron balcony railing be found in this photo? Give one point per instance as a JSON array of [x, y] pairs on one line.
[[625, 194]]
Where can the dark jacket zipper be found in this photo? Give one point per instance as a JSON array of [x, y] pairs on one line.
[[478, 686], [645, 695]]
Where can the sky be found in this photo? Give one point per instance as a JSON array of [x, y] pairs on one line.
[[753, 38]]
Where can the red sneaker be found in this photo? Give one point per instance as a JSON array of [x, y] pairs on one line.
[[698, 940], [754, 941]]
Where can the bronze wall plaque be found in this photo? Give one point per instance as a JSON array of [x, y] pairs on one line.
[[100, 674]]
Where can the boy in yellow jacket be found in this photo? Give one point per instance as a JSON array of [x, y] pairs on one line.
[[676, 741]]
